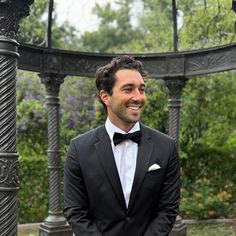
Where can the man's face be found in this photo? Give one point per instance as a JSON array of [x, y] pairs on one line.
[[128, 99]]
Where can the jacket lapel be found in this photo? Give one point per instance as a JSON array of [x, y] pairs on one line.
[[105, 155], [143, 159]]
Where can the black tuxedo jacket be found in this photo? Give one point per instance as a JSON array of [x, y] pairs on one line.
[[94, 203]]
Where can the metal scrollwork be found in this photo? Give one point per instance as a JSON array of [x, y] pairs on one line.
[[11, 13], [175, 87], [9, 172], [54, 159], [52, 82]]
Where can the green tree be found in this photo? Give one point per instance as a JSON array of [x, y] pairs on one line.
[[156, 25], [33, 29], [31, 115], [151, 31], [208, 128], [206, 24], [115, 28]]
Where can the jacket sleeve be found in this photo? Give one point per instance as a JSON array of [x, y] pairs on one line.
[[168, 204], [76, 201]]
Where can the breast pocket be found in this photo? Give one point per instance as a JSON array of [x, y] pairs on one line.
[[153, 179]]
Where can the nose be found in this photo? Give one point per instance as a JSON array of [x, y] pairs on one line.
[[138, 95]]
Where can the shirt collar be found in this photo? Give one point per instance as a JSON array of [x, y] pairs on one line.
[[111, 128]]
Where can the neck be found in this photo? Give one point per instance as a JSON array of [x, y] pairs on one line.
[[126, 127]]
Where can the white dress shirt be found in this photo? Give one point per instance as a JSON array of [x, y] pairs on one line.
[[125, 155]]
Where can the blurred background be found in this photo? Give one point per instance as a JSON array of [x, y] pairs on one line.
[[208, 114]]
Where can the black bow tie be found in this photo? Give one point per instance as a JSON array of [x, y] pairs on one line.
[[135, 137]]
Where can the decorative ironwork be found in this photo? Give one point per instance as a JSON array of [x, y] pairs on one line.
[[9, 170], [55, 218], [54, 160], [52, 84], [11, 13], [210, 61], [172, 65], [175, 87], [55, 191], [8, 206], [7, 104], [8, 157]]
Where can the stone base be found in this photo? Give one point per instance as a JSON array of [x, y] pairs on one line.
[[62, 230], [179, 229]]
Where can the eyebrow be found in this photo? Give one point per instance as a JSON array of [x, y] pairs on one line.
[[131, 85]]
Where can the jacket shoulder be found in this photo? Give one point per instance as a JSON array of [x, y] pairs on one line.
[[156, 132], [89, 136], [157, 136]]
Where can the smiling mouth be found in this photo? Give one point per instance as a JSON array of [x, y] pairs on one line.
[[134, 108]]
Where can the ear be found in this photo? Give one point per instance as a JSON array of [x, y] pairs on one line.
[[105, 97]]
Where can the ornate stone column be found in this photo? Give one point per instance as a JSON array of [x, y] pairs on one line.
[[10, 14], [55, 224], [175, 87]]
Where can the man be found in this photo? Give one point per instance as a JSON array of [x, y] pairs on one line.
[[128, 186]]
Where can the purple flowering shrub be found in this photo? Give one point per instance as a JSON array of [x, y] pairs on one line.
[[80, 109]]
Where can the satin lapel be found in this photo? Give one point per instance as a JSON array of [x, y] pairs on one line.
[[143, 158], [105, 154]]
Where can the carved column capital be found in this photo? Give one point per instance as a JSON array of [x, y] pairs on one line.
[[175, 86], [10, 15], [52, 83]]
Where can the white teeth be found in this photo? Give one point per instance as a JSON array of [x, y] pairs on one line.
[[135, 108]]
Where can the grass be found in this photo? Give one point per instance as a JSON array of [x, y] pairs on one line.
[[211, 230], [192, 230], [28, 232]]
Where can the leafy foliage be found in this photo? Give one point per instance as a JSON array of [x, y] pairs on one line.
[[33, 193], [206, 24], [115, 28], [202, 200], [31, 115], [156, 111], [208, 142], [33, 29]]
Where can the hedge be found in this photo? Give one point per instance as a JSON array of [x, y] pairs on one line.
[[33, 192]]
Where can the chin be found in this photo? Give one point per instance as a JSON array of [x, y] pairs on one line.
[[134, 120]]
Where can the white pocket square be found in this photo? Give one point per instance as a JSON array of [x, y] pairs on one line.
[[154, 167]]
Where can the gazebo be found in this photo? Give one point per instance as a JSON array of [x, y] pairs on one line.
[[53, 65]]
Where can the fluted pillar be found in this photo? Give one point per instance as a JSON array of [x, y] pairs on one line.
[[55, 224], [10, 14], [175, 87]]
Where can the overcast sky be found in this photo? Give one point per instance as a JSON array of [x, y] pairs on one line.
[[78, 13]]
